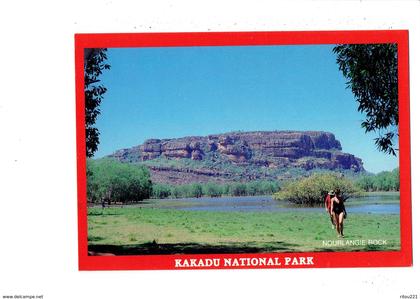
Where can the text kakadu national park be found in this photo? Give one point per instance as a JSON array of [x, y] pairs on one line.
[[244, 262]]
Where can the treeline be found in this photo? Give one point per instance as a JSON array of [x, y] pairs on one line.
[[383, 181], [112, 181], [215, 190], [313, 189]]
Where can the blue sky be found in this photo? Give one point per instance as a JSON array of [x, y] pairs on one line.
[[185, 91]]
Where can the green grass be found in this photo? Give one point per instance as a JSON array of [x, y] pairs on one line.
[[154, 230]]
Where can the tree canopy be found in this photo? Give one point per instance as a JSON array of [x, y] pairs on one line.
[[109, 179], [95, 63], [383, 181], [372, 74]]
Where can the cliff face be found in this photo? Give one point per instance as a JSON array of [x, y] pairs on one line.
[[264, 150]]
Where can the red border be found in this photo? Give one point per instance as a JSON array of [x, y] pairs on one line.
[[323, 259]]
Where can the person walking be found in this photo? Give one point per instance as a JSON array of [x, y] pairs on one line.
[[339, 212], [327, 203]]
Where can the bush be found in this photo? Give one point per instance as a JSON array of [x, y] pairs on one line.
[[312, 190]]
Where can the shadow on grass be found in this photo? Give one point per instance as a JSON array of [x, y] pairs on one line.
[[357, 248], [95, 239], [380, 248], [192, 248], [103, 213]]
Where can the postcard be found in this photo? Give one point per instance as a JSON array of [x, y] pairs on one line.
[[239, 150]]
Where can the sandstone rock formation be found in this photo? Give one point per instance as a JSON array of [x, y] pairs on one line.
[[265, 150]]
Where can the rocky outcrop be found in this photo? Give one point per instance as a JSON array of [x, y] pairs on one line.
[[272, 150]]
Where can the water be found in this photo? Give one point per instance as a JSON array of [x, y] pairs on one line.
[[375, 204]]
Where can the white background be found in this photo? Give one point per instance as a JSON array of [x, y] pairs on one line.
[[38, 211]]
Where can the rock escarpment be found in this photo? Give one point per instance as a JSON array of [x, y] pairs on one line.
[[260, 151]]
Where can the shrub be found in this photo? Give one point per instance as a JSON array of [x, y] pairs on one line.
[[313, 189]]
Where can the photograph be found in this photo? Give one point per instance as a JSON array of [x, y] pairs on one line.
[[224, 150], [210, 149]]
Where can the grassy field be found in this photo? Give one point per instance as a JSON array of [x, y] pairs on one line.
[[149, 230]]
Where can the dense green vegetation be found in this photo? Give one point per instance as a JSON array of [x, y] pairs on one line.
[[113, 181], [110, 180], [312, 190], [383, 181], [212, 189], [153, 230]]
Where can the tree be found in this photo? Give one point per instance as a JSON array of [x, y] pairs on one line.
[[372, 74], [238, 189], [212, 190], [95, 63], [196, 190], [161, 191], [383, 181], [112, 180]]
